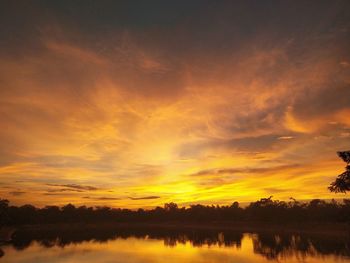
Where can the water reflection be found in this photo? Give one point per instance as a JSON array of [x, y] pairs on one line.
[[257, 246]]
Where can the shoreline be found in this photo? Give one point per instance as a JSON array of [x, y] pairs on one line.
[[324, 229]]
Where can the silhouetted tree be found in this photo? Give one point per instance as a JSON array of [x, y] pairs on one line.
[[4, 204], [342, 182], [170, 207]]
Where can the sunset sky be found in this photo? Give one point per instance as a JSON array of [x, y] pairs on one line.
[[138, 103]]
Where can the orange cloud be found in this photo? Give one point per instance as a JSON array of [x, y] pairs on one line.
[[136, 114]]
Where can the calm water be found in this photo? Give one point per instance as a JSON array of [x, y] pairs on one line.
[[142, 245]]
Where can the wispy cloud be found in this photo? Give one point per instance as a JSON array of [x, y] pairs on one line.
[[103, 198], [175, 112], [65, 190], [16, 193], [245, 170], [144, 197], [74, 187], [285, 138]]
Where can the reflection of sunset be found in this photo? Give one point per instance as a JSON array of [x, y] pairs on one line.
[[136, 114], [153, 250]]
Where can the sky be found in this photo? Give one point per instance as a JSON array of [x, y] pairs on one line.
[[139, 103]]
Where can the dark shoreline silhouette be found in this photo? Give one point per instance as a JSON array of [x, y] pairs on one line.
[[264, 210], [278, 229]]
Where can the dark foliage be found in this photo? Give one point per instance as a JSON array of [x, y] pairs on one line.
[[264, 210], [342, 182]]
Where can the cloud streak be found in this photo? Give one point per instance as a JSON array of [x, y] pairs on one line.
[[17, 193], [161, 108], [74, 187], [246, 170], [145, 197]]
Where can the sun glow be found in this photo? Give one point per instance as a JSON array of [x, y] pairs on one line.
[[138, 114]]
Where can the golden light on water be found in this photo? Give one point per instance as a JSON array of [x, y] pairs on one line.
[[152, 250]]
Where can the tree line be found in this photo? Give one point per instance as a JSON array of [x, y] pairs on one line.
[[263, 210]]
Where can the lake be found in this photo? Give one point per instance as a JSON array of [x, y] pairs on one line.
[[171, 245]]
